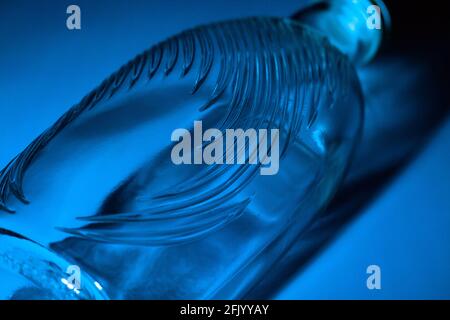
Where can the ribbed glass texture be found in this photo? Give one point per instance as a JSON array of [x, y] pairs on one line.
[[153, 229]]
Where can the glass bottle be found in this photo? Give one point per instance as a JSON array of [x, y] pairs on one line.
[[102, 189]]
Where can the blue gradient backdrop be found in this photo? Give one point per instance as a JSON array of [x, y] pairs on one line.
[[46, 68]]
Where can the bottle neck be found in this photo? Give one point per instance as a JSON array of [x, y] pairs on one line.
[[354, 26]]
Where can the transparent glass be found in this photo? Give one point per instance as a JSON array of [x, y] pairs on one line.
[[99, 189]]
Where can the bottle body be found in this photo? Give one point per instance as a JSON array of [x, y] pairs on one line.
[[158, 229]]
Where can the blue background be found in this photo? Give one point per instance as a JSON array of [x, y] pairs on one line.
[[46, 68]]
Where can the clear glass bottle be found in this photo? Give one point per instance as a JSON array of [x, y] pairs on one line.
[[103, 193]]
